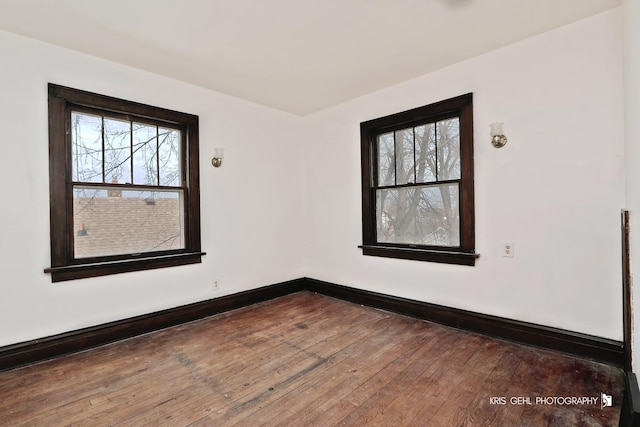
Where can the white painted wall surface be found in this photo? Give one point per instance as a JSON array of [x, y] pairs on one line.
[[631, 27], [286, 202], [555, 190], [250, 223]]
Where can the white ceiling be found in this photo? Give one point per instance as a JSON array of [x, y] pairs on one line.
[[298, 56]]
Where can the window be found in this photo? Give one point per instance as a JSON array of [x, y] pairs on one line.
[[417, 184], [123, 186]]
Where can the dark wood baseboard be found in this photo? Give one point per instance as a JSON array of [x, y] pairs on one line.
[[592, 347], [630, 412], [20, 354], [583, 345]]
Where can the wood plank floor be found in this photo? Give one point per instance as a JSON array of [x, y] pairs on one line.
[[309, 360]]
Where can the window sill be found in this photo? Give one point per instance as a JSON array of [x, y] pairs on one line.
[[82, 271], [446, 257]]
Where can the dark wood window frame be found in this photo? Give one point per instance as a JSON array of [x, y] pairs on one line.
[[62, 100], [464, 254]]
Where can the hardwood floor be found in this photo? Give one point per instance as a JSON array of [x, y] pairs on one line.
[[310, 360]]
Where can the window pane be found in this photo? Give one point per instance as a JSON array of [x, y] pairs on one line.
[[448, 149], [86, 147], [425, 215], [405, 171], [115, 222], [386, 162], [145, 151], [117, 150], [169, 152], [426, 153]]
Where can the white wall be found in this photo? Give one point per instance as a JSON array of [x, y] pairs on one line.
[[631, 26], [286, 202], [555, 190], [249, 230]]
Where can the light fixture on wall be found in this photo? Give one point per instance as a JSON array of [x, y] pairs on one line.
[[497, 135], [217, 157]]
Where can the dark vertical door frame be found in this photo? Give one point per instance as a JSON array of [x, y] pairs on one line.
[[626, 291]]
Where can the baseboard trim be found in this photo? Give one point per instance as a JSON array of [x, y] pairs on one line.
[[630, 412], [15, 355], [583, 345], [597, 348]]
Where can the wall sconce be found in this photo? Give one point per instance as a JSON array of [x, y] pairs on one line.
[[217, 157], [497, 135]]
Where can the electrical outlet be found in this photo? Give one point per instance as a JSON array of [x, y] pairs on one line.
[[216, 285], [507, 250]]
